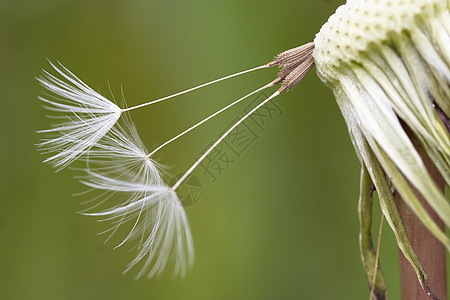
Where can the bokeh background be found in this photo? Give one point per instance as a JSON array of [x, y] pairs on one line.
[[279, 223]]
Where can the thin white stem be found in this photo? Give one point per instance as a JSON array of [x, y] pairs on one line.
[[195, 165], [210, 117], [195, 88]]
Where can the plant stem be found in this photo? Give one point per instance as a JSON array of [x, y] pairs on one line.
[[429, 250]]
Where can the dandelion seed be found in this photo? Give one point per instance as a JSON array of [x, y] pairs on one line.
[[86, 116], [120, 167]]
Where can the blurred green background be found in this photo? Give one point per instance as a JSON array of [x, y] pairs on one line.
[[279, 223]]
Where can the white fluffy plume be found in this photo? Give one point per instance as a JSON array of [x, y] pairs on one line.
[[132, 192], [136, 198], [84, 117]]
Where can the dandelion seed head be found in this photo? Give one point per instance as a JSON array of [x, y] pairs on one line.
[[360, 25], [388, 64]]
